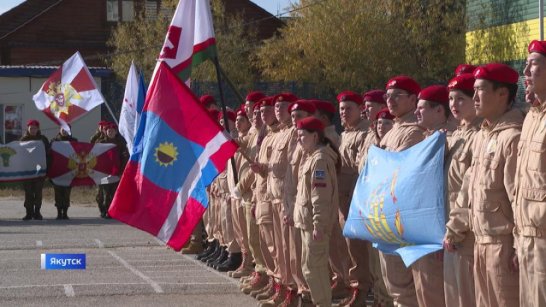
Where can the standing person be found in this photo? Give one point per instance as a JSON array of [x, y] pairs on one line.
[[491, 187], [530, 202], [459, 240], [108, 190], [326, 111], [99, 135], [316, 207], [401, 98], [33, 187], [62, 194], [352, 139]]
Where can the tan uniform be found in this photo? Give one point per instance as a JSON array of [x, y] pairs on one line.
[[351, 142], [285, 140], [530, 208], [317, 208], [264, 210], [458, 265], [226, 218], [491, 192], [399, 279], [331, 133]]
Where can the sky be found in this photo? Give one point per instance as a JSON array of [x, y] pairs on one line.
[[273, 6]]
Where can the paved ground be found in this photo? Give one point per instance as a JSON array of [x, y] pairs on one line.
[[125, 266]]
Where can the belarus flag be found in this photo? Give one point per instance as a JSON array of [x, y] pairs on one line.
[[77, 164], [190, 38], [179, 150], [68, 93]]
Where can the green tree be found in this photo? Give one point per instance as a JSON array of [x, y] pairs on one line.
[[359, 44]]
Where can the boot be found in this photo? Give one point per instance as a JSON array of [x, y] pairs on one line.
[[339, 290], [358, 298], [291, 299], [223, 257], [304, 300], [213, 255], [270, 286], [59, 214], [65, 213], [232, 263], [259, 281], [37, 214], [209, 250], [29, 214], [266, 295], [276, 299], [193, 248], [244, 269]]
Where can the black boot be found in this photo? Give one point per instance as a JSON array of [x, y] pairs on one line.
[[37, 214], [209, 250], [59, 213], [29, 214], [223, 256], [232, 263], [65, 214], [216, 252]]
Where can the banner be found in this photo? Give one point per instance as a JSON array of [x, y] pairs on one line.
[[131, 108], [399, 201], [22, 160]]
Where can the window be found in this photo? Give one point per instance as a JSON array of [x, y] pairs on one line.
[[112, 10], [151, 10], [127, 10]]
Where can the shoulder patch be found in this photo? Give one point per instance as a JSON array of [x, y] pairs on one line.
[[319, 174]]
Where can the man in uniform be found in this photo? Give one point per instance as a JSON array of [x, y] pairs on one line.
[[352, 139], [531, 184], [326, 112], [491, 187], [401, 98]]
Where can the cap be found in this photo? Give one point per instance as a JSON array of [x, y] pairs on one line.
[[302, 105], [33, 122], [374, 96], [241, 113], [103, 123], [310, 124], [404, 83], [254, 96], [267, 102], [206, 100], [285, 97], [111, 126], [464, 69], [384, 113], [350, 96], [497, 72], [324, 106], [435, 93], [537, 46], [257, 105], [230, 115], [213, 114], [464, 82]]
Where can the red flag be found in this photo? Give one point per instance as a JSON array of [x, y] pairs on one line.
[[69, 93]]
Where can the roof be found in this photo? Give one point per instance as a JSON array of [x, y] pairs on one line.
[[24, 13], [44, 71]]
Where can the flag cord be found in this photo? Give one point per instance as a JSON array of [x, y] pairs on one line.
[[224, 112]]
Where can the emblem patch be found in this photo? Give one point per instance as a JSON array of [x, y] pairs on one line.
[[320, 174]]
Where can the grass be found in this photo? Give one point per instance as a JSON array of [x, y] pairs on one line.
[[79, 195]]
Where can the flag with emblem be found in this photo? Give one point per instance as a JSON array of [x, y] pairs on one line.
[[131, 108], [83, 164], [179, 150], [399, 214], [22, 160], [190, 38], [68, 93]]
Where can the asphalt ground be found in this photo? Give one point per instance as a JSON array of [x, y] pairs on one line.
[[124, 266]]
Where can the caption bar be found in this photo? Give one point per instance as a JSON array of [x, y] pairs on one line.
[[63, 262]]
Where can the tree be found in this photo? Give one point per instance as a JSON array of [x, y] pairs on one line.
[[360, 44]]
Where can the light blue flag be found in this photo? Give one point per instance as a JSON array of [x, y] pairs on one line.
[[398, 202]]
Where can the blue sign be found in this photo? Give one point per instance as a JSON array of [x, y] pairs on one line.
[[63, 261], [398, 202]]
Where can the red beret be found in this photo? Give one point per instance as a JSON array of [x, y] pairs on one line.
[[350, 96], [33, 122], [103, 123], [230, 115], [464, 69], [375, 96], [303, 105], [324, 106], [206, 100], [384, 113], [435, 93], [111, 126], [267, 102], [310, 124], [285, 97], [214, 114], [404, 83], [537, 46], [254, 96], [257, 105], [464, 82], [241, 113], [497, 72]]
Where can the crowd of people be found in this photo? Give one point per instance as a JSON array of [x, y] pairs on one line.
[[276, 215], [107, 132]]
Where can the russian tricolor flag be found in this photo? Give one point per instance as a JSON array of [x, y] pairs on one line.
[[179, 150]]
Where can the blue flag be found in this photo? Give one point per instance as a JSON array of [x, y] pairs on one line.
[[398, 202]]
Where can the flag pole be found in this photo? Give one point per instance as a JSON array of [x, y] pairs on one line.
[[224, 111], [231, 85], [111, 113]]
